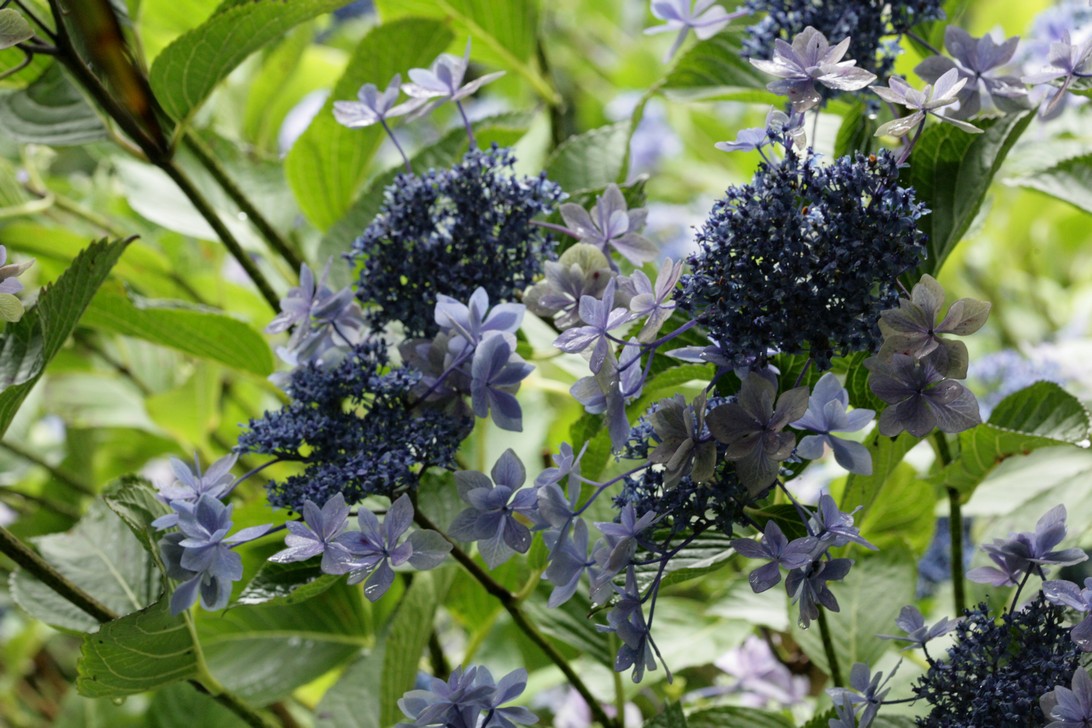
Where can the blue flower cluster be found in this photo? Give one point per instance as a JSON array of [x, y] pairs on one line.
[[804, 258], [451, 231], [354, 427], [996, 671], [867, 22]]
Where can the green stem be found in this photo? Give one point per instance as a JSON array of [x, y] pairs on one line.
[[254, 215], [45, 503], [20, 553], [511, 605], [955, 527], [156, 153], [56, 473], [828, 649], [204, 207], [619, 688]]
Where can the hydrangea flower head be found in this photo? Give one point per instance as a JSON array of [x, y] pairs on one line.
[[753, 426], [826, 414], [921, 398], [1067, 61], [923, 103], [494, 503], [1023, 552], [980, 61], [803, 259], [870, 24], [200, 553], [810, 60], [190, 485], [10, 272], [611, 224], [354, 428], [452, 231], [996, 670], [582, 270]]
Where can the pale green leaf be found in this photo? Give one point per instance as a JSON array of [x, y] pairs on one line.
[[503, 34], [14, 28], [49, 111], [1069, 180], [887, 453], [187, 70], [136, 653], [11, 308], [1042, 415], [249, 648], [951, 172], [202, 332], [328, 162], [591, 160], [101, 556], [28, 346], [904, 516]]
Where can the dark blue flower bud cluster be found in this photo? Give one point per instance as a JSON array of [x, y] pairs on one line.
[[997, 670], [452, 231], [354, 427], [874, 25], [804, 258]]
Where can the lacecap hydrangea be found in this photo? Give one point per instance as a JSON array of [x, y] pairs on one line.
[[452, 231], [804, 258]]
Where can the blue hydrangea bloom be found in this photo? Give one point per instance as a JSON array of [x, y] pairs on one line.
[[1023, 552], [996, 671], [200, 553], [827, 414], [460, 701], [372, 552], [778, 550], [494, 503], [190, 485], [1069, 708], [354, 428], [871, 25], [319, 530], [1069, 594], [804, 258], [452, 231]]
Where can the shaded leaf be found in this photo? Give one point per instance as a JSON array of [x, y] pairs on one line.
[[737, 718], [187, 70], [1042, 415], [136, 653], [202, 332], [283, 584], [887, 453], [28, 346], [249, 648], [503, 129], [133, 499], [101, 556], [591, 160], [707, 553], [672, 717], [50, 111]]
